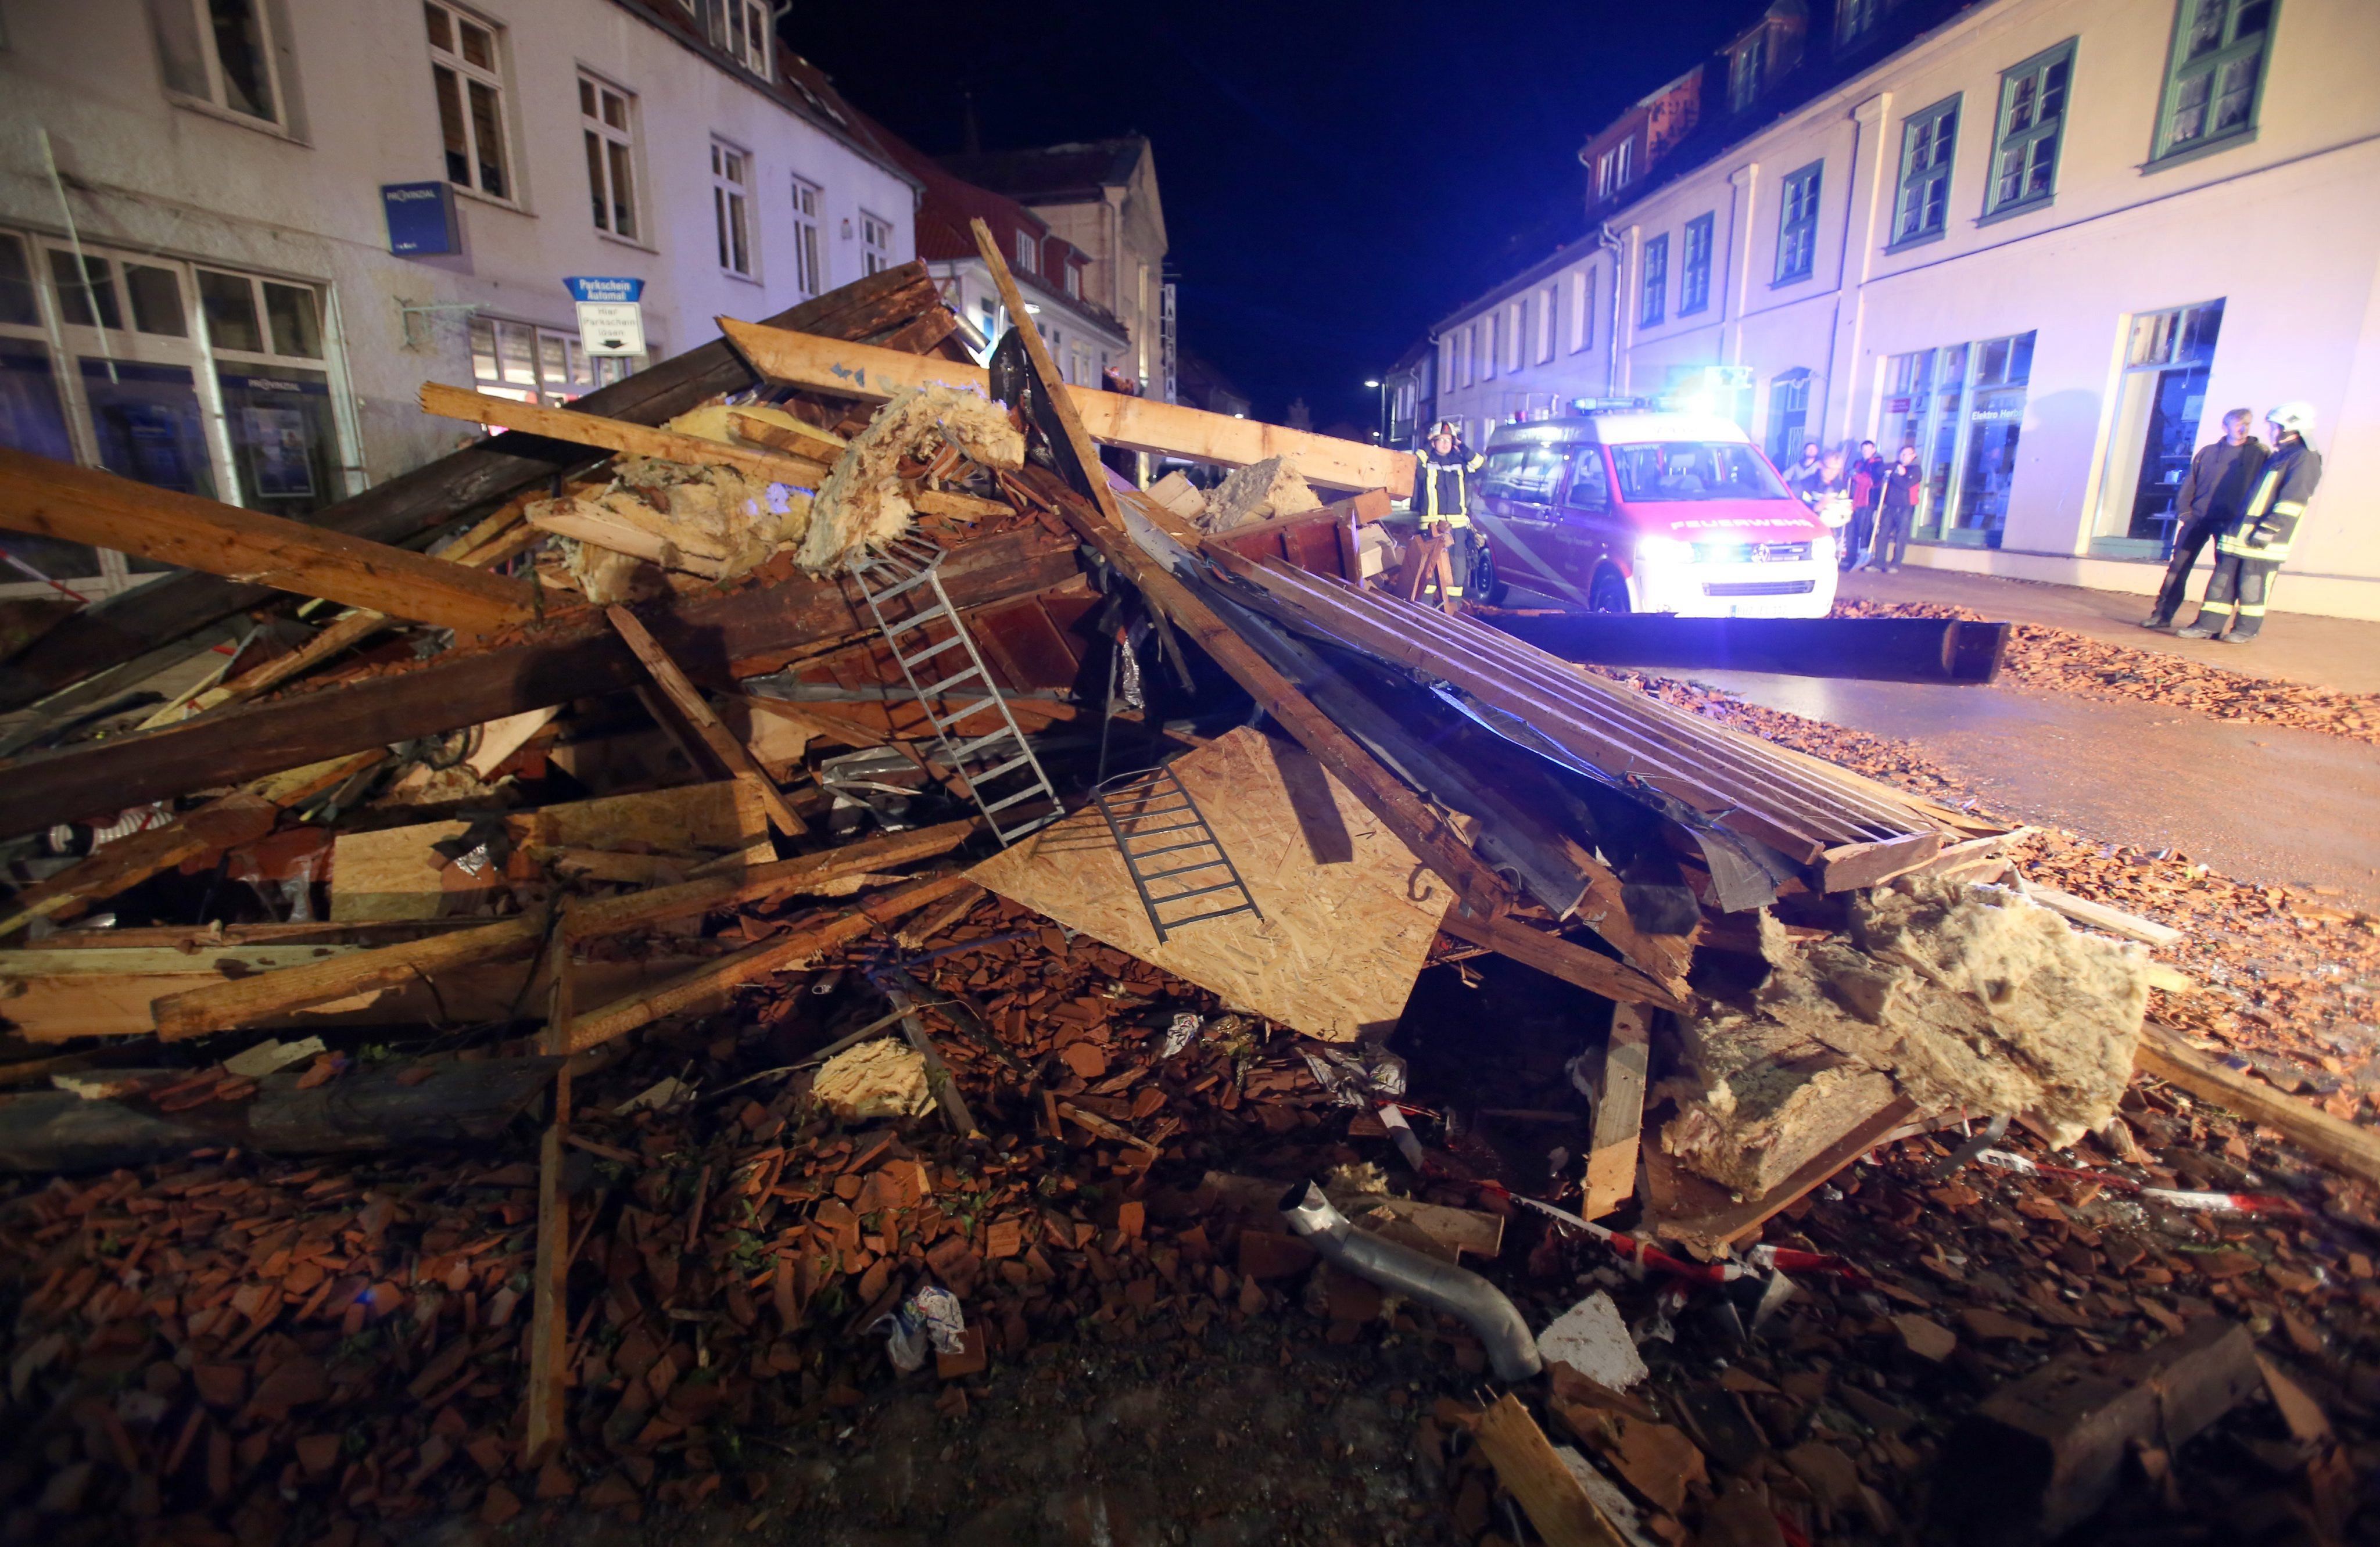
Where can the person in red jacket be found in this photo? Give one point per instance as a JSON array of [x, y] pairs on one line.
[[1868, 485]]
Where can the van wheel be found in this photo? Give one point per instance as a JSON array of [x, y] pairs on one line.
[[1609, 592], [1486, 584]]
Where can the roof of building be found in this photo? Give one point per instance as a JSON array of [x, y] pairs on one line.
[[800, 86], [1068, 174]]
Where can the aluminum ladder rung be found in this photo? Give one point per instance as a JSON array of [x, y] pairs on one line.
[[906, 565], [1231, 885], [1181, 869], [1160, 832], [1177, 848]]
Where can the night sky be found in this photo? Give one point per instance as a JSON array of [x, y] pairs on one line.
[[1336, 177]]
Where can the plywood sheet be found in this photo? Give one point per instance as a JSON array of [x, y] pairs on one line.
[[397, 872], [1349, 912]]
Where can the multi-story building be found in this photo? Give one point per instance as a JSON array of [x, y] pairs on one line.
[[1090, 344], [1101, 197], [238, 236], [2046, 242]]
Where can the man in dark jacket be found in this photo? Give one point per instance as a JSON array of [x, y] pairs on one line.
[[2213, 494], [2246, 561], [1441, 499]]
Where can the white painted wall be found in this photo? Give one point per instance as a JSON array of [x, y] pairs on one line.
[[2285, 229], [147, 173]]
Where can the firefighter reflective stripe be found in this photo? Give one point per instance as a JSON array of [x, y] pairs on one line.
[[2239, 548], [2251, 610], [2292, 508], [2211, 606], [2263, 495]]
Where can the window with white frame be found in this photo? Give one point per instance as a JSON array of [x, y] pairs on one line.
[[1462, 355], [1653, 304], [1075, 279], [220, 53], [875, 243], [1486, 329], [1747, 71], [1516, 327], [1546, 303], [1582, 310], [1625, 165], [1853, 19], [1024, 265], [741, 27], [1446, 362], [731, 207], [467, 71], [603, 119], [809, 276], [530, 364], [1604, 165]]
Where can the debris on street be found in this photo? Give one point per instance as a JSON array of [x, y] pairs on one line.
[[824, 938]]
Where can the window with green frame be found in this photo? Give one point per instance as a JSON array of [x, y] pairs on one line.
[[1797, 223], [1651, 305], [2216, 75], [1693, 277], [1928, 140], [2032, 122]]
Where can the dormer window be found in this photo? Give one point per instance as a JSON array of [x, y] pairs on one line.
[[1075, 281], [1024, 265], [1748, 71]]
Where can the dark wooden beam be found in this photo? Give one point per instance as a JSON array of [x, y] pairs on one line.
[[125, 626], [578, 656], [1872, 650]]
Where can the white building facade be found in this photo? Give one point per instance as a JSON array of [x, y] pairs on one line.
[[2048, 243], [219, 223]]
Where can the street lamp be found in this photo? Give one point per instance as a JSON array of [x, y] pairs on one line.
[[1381, 434]]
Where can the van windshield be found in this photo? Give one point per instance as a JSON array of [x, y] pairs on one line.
[[1694, 470]]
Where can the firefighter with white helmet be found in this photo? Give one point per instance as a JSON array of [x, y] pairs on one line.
[[1441, 498], [2247, 558]]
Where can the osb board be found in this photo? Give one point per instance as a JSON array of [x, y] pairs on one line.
[[396, 873], [1349, 912]]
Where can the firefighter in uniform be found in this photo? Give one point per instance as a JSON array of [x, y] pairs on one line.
[[1442, 498], [2247, 558]]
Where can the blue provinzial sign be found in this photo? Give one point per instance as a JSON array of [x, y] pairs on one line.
[[588, 287], [420, 217]]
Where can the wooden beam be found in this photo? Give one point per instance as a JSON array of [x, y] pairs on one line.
[[690, 702], [1619, 1112], [1136, 423], [1566, 959], [1554, 1500], [707, 985], [82, 504], [125, 626], [615, 435], [226, 1005], [2098, 915], [751, 630], [2341, 1145]]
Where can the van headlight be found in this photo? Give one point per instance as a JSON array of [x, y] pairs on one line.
[[1664, 550], [1822, 548]]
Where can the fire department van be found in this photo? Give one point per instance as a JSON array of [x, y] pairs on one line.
[[1649, 512]]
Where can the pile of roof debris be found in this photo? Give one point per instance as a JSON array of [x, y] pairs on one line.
[[807, 897]]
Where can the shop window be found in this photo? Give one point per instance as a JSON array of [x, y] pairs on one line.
[[2160, 406], [1963, 407], [1788, 415], [2215, 76]]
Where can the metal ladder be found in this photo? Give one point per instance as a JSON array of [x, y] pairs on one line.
[[993, 750], [1146, 809]]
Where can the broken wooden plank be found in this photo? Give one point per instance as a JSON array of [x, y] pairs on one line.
[[706, 723], [225, 1006], [1134, 423], [363, 1109], [2099, 916], [124, 627], [617, 435], [87, 505], [1553, 1499], [2340, 1144], [707, 985], [1619, 1112], [226, 823], [1850, 866], [752, 630], [2038, 1457], [1458, 1230], [1566, 959], [808, 441]]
